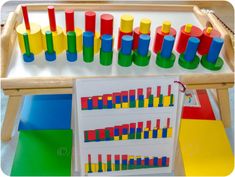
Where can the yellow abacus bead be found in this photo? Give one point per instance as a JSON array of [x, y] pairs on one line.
[[58, 39], [97, 42], [126, 25], [188, 28], [208, 30], [166, 27], [35, 38], [145, 26]]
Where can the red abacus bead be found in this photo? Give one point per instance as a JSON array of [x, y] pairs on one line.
[[205, 41], [120, 34], [136, 36], [183, 37], [90, 21], [106, 24], [26, 17], [159, 36], [51, 14], [69, 19]]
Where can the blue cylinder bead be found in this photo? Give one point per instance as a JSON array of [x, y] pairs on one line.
[[143, 46], [106, 43], [215, 49], [167, 46], [126, 44], [191, 49], [88, 39]]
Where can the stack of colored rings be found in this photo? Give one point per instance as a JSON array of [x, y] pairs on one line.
[[88, 46], [106, 50], [125, 54]]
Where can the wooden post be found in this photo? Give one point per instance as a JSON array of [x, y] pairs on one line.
[[224, 106], [10, 117]]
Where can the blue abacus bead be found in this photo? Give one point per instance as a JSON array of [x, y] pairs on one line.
[[214, 50], [126, 44], [88, 39], [191, 49], [50, 56], [167, 46], [143, 46], [28, 58], [71, 56], [106, 43]]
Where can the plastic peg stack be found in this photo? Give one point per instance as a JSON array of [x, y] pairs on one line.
[[189, 58], [58, 36], [106, 24], [166, 58], [106, 50], [88, 46], [208, 34], [162, 31], [50, 53], [212, 61], [142, 54], [126, 28], [144, 28], [71, 53], [33, 33], [125, 54], [186, 32], [27, 56]]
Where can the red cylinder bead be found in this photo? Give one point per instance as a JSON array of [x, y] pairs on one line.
[[183, 37], [106, 24], [90, 21], [69, 19], [159, 36], [205, 41], [51, 14], [25, 16], [120, 34]]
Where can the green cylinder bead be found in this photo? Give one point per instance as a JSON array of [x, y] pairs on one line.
[[26, 44], [88, 54], [106, 58], [71, 42], [140, 60], [49, 41], [125, 60]]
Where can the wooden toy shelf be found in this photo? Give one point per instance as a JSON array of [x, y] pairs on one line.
[[42, 78]]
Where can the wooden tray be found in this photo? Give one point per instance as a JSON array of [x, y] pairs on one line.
[[15, 74]]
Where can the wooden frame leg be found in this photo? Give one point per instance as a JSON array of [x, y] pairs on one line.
[[224, 106], [179, 164], [13, 106]]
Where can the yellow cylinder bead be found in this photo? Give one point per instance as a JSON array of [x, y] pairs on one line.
[[145, 26], [166, 27], [97, 42], [208, 30], [126, 25], [58, 39], [35, 38], [188, 28], [78, 32]]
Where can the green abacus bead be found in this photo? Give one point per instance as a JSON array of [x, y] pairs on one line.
[[140, 60], [165, 62], [88, 54], [188, 65], [106, 58], [49, 42], [71, 42], [26, 44], [212, 66], [125, 60]]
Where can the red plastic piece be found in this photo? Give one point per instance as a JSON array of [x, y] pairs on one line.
[[91, 135], [106, 24], [158, 91], [114, 96], [120, 34], [160, 162], [84, 102], [183, 37], [52, 21], [149, 91], [99, 158], [89, 158], [167, 161], [205, 41], [126, 126], [159, 36], [150, 162], [108, 157], [132, 92], [158, 124], [26, 17], [169, 90], [132, 125], [117, 157], [111, 131], [139, 91], [140, 125], [168, 123], [90, 21], [95, 101], [148, 124], [69, 19], [101, 134], [124, 157], [105, 99]]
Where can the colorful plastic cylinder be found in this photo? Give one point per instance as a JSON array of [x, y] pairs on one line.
[[189, 58], [88, 46], [27, 56], [78, 32], [142, 54], [50, 53], [25, 16], [166, 58], [162, 31], [136, 36], [208, 34], [90, 17], [69, 20], [145, 25], [125, 54], [106, 24], [186, 32], [71, 53], [106, 51], [212, 61]]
